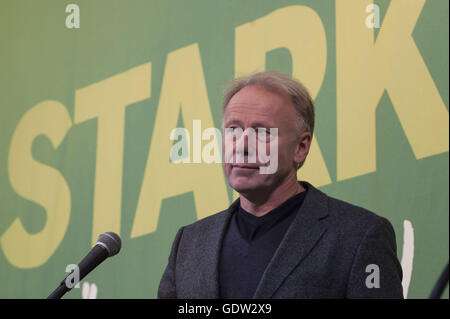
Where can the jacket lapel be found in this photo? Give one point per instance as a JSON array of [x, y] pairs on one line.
[[208, 263], [301, 237]]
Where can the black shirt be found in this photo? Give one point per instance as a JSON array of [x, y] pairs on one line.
[[249, 245]]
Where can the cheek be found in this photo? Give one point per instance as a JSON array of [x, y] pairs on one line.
[[226, 168], [227, 150], [286, 153]]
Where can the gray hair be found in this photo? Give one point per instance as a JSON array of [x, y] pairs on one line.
[[278, 82]]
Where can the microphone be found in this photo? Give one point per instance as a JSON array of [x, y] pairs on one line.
[[108, 244]]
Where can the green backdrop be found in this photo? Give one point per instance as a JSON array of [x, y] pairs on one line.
[[86, 113]]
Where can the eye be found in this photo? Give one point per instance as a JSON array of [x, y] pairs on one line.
[[233, 131], [267, 135], [263, 134]]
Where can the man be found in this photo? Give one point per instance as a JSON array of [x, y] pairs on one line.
[[281, 238]]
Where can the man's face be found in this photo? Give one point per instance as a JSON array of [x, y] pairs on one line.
[[255, 107]]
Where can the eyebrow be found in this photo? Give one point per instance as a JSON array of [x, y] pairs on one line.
[[234, 121], [253, 124]]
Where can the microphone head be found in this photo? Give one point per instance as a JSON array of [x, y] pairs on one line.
[[111, 242]]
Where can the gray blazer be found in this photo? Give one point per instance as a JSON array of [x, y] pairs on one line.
[[332, 249]]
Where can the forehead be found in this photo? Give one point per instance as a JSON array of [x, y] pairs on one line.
[[259, 104]]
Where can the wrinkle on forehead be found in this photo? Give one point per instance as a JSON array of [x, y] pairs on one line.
[[254, 104], [250, 114]]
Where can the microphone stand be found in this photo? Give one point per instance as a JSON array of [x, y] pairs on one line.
[[59, 292], [440, 284]]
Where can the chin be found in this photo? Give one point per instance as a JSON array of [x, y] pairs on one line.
[[244, 186]]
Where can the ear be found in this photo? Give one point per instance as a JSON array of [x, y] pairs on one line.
[[302, 148]]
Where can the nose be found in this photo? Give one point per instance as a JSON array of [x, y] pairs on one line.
[[245, 148], [242, 144]]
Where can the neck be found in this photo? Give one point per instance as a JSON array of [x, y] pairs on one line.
[[262, 202]]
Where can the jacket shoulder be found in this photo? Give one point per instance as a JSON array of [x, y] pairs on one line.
[[354, 219], [208, 222]]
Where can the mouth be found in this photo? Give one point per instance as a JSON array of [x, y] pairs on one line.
[[245, 166]]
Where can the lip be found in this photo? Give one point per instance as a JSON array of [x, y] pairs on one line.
[[244, 166]]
